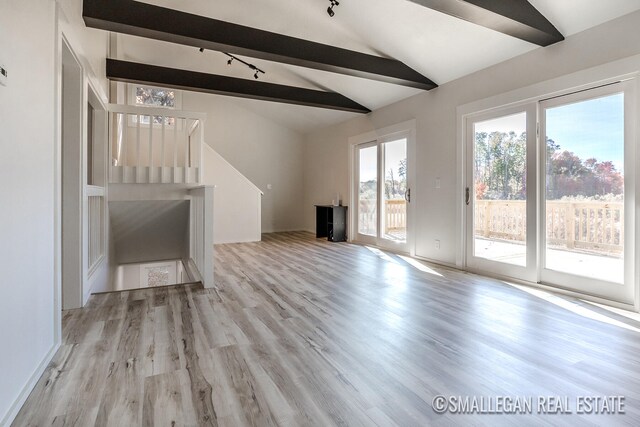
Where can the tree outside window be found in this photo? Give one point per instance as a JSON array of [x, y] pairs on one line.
[[155, 97]]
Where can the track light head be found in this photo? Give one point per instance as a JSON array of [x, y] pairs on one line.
[[330, 8], [252, 67], [201, 49]]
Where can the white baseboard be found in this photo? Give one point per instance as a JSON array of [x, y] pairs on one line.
[[283, 230], [28, 387], [437, 262]]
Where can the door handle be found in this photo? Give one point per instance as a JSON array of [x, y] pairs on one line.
[[467, 197], [407, 195]]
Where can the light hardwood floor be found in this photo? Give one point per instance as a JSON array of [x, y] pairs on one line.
[[300, 331]]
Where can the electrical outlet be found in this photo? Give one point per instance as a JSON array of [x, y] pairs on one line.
[[437, 244], [4, 74]]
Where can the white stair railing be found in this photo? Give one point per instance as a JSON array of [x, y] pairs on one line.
[[95, 226], [155, 145]]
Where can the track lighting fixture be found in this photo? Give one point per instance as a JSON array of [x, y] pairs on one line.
[[256, 70], [330, 8]]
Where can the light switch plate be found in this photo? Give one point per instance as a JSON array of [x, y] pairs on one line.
[[3, 75]]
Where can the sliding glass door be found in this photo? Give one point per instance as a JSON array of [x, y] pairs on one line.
[[383, 193], [585, 209], [555, 206]]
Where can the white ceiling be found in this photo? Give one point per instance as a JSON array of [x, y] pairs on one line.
[[440, 47]]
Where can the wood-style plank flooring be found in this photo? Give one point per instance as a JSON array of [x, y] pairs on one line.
[[300, 331]]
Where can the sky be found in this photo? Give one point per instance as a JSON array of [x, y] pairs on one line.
[[592, 128], [394, 152]]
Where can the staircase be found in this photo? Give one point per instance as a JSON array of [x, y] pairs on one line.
[[162, 179], [157, 221]]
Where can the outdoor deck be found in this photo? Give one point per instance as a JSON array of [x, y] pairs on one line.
[[609, 268]]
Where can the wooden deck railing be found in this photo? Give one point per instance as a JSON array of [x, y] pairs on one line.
[[597, 226], [395, 215]]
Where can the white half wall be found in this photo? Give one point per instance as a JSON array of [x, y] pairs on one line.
[[327, 156], [237, 210], [260, 149]]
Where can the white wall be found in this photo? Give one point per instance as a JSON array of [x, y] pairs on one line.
[[326, 152], [28, 129], [263, 151], [26, 190], [238, 201]]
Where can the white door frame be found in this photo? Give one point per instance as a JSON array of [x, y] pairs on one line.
[[73, 137], [405, 129], [66, 35]]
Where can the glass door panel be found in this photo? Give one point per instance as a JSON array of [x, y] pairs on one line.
[[501, 207], [368, 190], [394, 196], [587, 177], [500, 189]]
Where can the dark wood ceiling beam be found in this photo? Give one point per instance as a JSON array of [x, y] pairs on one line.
[[517, 18], [155, 22], [133, 72]]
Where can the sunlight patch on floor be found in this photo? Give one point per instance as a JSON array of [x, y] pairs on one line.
[[619, 311], [418, 265], [572, 307], [411, 261], [382, 255]]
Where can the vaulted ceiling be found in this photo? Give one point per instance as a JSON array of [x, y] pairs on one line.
[[434, 44]]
